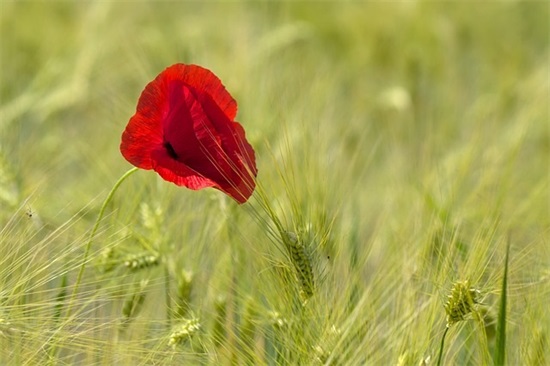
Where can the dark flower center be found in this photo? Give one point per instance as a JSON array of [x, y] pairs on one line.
[[170, 150]]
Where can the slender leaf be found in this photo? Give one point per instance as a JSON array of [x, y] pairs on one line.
[[500, 349]]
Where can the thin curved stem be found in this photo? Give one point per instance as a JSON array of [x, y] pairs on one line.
[[441, 347], [94, 230]]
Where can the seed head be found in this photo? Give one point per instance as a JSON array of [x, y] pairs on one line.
[[184, 332], [277, 320], [141, 260], [461, 302], [302, 263], [185, 286]]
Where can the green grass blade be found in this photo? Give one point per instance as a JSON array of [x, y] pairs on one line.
[[440, 358], [500, 348]]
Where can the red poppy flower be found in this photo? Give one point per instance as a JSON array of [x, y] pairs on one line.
[[184, 129]]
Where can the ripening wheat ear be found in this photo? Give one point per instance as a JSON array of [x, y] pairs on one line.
[[110, 259], [141, 260], [324, 348], [133, 303], [301, 260], [185, 286], [461, 303], [184, 332]]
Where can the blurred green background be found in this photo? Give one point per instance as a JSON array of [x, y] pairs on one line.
[[411, 127], [416, 79]]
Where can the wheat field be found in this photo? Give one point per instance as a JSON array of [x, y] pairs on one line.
[[402, 147]]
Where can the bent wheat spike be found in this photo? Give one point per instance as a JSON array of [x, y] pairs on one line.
[[184, 332], [460, 302], [302, 263]]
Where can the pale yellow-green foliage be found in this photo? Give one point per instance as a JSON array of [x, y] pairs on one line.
[[400, 146]]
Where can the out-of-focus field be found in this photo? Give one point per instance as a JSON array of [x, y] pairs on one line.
[[405, 143]]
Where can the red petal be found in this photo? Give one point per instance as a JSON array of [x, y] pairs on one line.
[[179, 173], [183, 129], [233, 155], [231, 134], [180, 120], [139, 139], [206, 82], [245, 149]]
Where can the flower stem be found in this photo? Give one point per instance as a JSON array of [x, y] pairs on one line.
[[94, 230], [441, 347]]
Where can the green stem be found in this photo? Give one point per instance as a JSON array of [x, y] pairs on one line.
[[442, 346], [94, 230]]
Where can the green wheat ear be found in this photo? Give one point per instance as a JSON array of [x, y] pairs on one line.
[[142, 260], [460, 302], [151, 219], [301, 261], [276, 320], [108, 260], [184, 332], [185, 286], [133, 303]]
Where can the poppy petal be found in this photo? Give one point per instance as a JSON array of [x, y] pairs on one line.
[[184, 129], [179, 173], [144, 132], [184, 110], [231, 134], [139, 139], [204, 80]]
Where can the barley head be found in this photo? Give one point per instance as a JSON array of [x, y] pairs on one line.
[[185, 286], [301, 261], [139, 261], [184, 332], [461, 302], [133, 303]]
